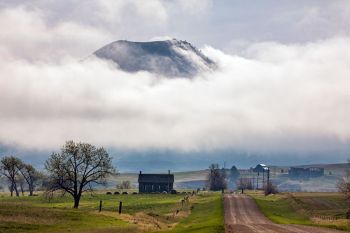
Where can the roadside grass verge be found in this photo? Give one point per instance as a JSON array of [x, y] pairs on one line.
[[279, 209], [304, 208], [206, 216]]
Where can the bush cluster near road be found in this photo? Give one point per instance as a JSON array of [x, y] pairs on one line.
[[38, 214]]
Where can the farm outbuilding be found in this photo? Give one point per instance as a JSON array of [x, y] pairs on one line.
[[305, 172], [261, 170], [156, 183]]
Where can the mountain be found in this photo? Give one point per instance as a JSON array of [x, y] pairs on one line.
[[171, 58]]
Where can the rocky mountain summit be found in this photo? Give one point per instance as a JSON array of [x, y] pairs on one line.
[[171, 58]]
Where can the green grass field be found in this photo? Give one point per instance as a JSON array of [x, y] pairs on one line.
[[141, 213], [319, 209], [207, 217]]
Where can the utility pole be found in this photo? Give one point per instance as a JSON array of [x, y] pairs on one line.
[[168, 181], [263, 182], [268, 181]]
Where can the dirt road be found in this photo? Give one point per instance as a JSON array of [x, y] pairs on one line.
[[243, 216]]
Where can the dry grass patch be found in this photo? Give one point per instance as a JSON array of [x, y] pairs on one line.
[[151, 221], [114, 230]]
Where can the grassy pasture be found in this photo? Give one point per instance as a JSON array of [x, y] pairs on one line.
[[320, 209], [141, 213]]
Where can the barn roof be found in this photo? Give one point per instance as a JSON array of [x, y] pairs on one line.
[[260, 168], [156, 178]]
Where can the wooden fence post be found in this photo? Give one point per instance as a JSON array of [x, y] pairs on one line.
[[120, 207], [100, 205]]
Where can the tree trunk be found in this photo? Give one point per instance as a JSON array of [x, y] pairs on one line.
[[348, 214], [17, 193], [76, 201], [16, 190], [31, 189], [30, 192], [11, 190], [22, 189]]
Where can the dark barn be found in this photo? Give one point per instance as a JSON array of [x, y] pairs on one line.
[[154, 183]]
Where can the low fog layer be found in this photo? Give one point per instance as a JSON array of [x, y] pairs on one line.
[[266, 97], [281, 97]]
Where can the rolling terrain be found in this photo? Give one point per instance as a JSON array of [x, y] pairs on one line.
[[196, 179]]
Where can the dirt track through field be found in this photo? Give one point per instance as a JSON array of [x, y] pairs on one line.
[[243, 216]]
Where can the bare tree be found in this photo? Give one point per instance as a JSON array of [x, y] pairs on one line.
[[344, 186], [270, 188], [125, 184], [31, 176], [244, 183], [216, 179], [9, 168], [21, 183], [77, 167], [234, 173]]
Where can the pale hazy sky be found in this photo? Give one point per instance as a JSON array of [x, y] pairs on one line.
[[283, 82], [78, 27]]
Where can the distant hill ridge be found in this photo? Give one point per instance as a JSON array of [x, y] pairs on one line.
[[171, 58]]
